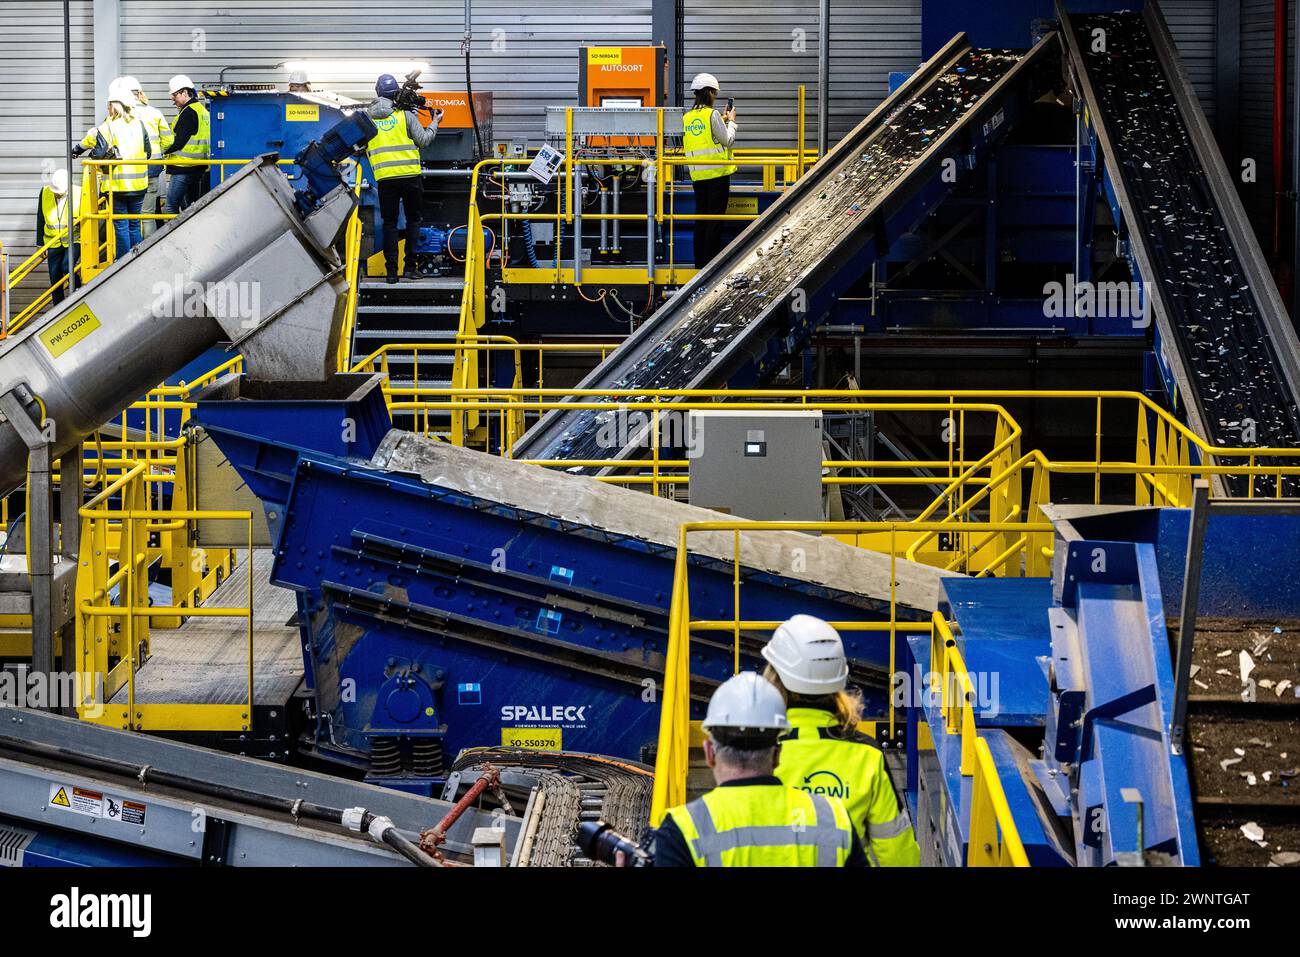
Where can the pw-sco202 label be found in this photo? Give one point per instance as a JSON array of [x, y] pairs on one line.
[[70, 330]]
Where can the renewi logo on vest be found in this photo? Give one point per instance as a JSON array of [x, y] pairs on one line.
[[695, 126], [824, 786]]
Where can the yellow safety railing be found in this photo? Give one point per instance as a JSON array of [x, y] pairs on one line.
[[20, 272], [114, 614], [994, 840], [352, 270], [98, 238], [525, 356], [998, 482], [473, 316]]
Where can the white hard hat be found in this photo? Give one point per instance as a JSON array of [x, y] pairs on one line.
[[59, 181], [704, 81], [747, 702], [298, 76], [179, 82], [122, 92], [132, 84], [808, 655]]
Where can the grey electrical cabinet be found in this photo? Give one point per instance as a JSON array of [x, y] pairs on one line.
[[765, 466]]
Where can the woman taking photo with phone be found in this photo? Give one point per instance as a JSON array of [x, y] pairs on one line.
[[709, 135]]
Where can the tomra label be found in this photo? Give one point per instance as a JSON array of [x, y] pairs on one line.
[[545, 712], [69, 330]]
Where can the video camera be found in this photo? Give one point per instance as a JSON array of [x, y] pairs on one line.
[[600, 842], [408, 97]]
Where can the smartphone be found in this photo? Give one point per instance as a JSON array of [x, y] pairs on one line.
[[731, 103]]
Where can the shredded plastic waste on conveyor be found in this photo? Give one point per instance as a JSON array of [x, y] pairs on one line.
[[808, 234], [1223, 340]]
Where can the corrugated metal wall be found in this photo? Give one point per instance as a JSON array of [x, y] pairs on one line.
[[761, 52], [1192, 23], [32, 136], [524, 53], [1255, 114]]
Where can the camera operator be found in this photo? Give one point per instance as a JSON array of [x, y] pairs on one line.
[[395, 157]]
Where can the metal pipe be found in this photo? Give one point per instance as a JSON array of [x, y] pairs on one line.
[[577, 227], [431, 839], [67, 130], [649, 227], [618, 242], [110, 325], [604, 223], [824, 76], [1187, 612]]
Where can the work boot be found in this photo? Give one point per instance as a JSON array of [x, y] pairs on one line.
[[391, 279]]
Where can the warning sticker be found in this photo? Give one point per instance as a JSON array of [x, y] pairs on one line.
[[77, 800], [95, 804], [128, 812], [68, 331], [541, 739]]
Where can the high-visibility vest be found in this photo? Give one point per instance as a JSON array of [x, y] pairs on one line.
[[196, 148], [160, 132], [765, 825], [699, 143], [820, 757], [57, 213], [392, 152], [128, 134]]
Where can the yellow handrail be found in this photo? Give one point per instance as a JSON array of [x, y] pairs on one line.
[[994, 838]]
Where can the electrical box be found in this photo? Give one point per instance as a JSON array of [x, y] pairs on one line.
[[622, 78], [765, 466]]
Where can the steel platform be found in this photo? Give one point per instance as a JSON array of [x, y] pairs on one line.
[[205, 661]]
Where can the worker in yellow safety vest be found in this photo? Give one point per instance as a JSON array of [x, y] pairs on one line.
[[122, 136], [55, 211], [824, 752], [751, 819], [160, 132], [394, 154], [187, 179], [709, 135]]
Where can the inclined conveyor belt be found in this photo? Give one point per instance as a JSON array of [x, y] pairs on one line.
[[1229, 340], [728, 313]]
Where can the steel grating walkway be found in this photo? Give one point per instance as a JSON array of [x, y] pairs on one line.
[[205, 661]]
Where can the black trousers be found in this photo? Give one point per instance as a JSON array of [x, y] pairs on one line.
[[401, 191], [57, 261], [710, 200]]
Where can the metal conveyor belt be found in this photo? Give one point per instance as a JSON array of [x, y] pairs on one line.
[[1236, 357], [704, 335]]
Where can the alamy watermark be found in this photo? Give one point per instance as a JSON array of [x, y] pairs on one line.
[[1098, 300], [185, 298], [21, 687]]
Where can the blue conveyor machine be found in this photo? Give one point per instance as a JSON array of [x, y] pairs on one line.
[[1074, 683], [450, 599]]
